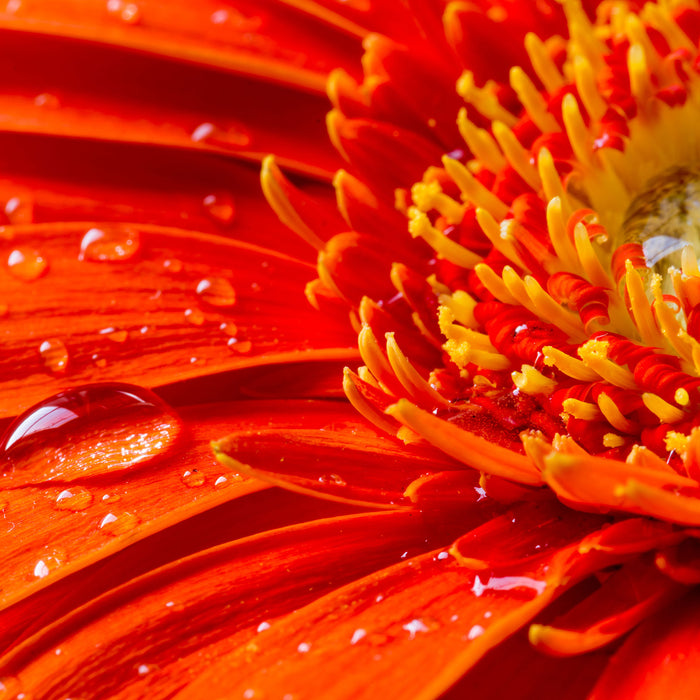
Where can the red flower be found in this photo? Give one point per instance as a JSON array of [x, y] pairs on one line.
[[522, 482]]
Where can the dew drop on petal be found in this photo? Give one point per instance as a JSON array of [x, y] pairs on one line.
[[229, 328], [216, 291], [194, 316], [475, 631], [173, 265], [357, 635], [74, 498], [240, 346], [26, 264], [10, 687], [263, 626], [220, 207], [119, 523], [47, 100], [113, 243], [20, 210], [304, 647], [87, 431], [193, 479], [54, 355], [332, 480]]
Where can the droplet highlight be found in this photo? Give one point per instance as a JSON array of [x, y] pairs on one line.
[[119, 524], [220, 207], [115, 243], [54, 355], [27, 264], [193, 479], [88, 431], [216, 291], [75, 498], [194, 317]]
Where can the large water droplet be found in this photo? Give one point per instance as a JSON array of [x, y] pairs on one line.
[[26, 264], [88, 431], [220, 207], [114, 243], [54, 354], [216, 291], [193, 479], [20, 210], [119, 524]]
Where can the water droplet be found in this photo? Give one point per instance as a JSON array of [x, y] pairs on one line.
[[203, 132], [216, 291], [193, 479], [173, 265], [114, 243], [239, 346], [120, 524], [220, 207], [263, 626], [26, 264], [357, 635], [475, 631], [144, 669], [229, 328], [118, 336], [415, 626], [111, 498], [221, 482], [87, 431], [194, 316], [100, 362], [235, 136], [13, 6], [10, 687], [304, 647], [47, 100], [74, 498], [20, 210], [49, 562], [332, 480], [54, 355]]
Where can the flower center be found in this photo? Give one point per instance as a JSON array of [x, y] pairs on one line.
[[665, 218]]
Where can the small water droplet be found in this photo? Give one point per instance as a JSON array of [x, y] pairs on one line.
[[357, 635], [332, 480], [216, 291], [475, 631], [113, 243], [219, 16], [54, 354], [74, 498], [13, 6], [203, 132], [221, 207], [229, 328], [235, 136], [87, 431], [263, 626], [117, 336], [304, 647], [144, 669], [172, 265], [10, 687], [111, 498], [194, 316], [119, 524], [26, 264], [47, 100], [193, 479], [48, 563], [239, 346], [221, 482], [20, 210]]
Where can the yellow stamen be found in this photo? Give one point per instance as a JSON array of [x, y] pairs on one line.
[[662, 409], [572, 367], [613, 415], [613, 440], [581, 409], [576, 130], [561, 242], [481, 143], [594, 353], [429, 195], [532, 100], [543, 64], [494, 284], [373, 356], [592, 266], [659, 18], [588, 90], [484, 99], [363, 407], [420, 227], [499, 235], [518, 156], [531, 381], [472, 190], [641, 310], [639, 75], [462, 306]]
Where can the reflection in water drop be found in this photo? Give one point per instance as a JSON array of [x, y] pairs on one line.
[[216, 291], [114, 243], [10, 687], [332, 480], [75, 498], [114, 334], [507, 583], [173, 265], [48, 563], [229, 328], [234, 136], [20, 210], [54, 354], [91, 430], [26, 264], [239, 346], [220, 207], [193, 479]]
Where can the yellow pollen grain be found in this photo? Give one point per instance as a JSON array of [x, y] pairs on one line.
[[518, 156], [581, 409], [530, 381], [494, 284], [481, 143], [571, 366], [639, 75], [532, 100], [594, 354], [576, 130], [587, 89], [420, 227], [613, 440], [429, 195], [498, 235], [542, 63], [611, 412], [408, 436], [681, 397], [677, 441], [472, 190], [484, 99], [663, 410]]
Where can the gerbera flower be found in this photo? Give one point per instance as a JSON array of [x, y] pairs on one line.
[[514, 478]]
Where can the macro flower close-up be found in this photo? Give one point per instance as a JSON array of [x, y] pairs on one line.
[[350, 349]]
